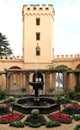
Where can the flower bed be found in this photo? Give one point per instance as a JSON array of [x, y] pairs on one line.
[[5, 105], [11, 117], [71, 110], [63, 118], [74, 105], [4, 109]]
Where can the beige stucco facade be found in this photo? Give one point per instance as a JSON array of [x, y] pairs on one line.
[[38, 33], [45, 29]]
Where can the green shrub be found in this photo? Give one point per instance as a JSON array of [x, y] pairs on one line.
[[76, 117], [70, 94], [33, 125], [4, 110], [35, 121], [77, 88], [23, 89], [67, 122], [10, 99], [17, 124], [70, 110], [1, 122], [53, 124], [77, 127], [77, 96], [51, 89], [35, 112], [2, 94]]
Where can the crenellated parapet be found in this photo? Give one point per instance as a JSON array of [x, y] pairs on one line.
[[38, 10], [11, 58], [55, 58], [66, 57]]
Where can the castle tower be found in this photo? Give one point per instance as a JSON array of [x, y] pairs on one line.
[[38, 33]]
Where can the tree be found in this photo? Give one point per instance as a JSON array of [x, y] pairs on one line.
[[5, 49]]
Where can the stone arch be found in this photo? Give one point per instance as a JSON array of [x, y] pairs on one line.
[[38, 77], [14, 67], [16, 80], [78, 66], [61, 76], [61, 67]]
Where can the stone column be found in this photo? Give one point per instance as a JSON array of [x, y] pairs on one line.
[[8, 82], [0, 82], [27, 80], [71, 81], [65, 80], [47, 82], [79, 78], [53, 80]]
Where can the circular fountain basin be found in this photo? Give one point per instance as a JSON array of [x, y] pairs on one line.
[[45, 105]]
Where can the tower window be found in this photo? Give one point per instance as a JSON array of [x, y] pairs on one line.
[[37, 50], [34, 8], [28, 8], [37, 36], [37, 21]]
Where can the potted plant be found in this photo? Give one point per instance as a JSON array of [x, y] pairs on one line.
[[51, 89], [23, 89]]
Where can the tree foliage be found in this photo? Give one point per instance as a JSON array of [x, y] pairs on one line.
[[5, 49]]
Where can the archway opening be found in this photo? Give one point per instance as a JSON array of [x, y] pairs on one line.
[[38, 77]]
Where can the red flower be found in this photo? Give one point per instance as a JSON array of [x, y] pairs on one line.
[[11, 117], [60, 117], [5, 105], [74, 105]]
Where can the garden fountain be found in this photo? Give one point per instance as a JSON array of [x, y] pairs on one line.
[[45, 104]]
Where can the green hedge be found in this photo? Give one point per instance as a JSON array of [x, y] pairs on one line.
[[35, 121], [17, 124], [2, 94], [77, 127], [4, 110], [53, 124], [76, 117], [33, 125]]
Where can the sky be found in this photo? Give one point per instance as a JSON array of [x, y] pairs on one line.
[[66, 24]]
